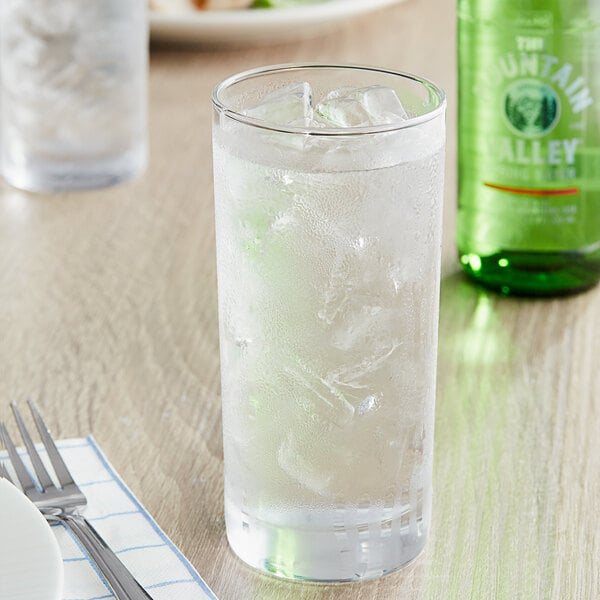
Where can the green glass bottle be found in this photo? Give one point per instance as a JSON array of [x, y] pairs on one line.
[[529, 144]]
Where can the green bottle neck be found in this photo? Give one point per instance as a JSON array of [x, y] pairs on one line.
[[533, 14]]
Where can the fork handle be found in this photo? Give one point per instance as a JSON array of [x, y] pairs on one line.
[[122, 582]]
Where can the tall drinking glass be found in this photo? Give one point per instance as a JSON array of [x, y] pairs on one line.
[[328, 198]]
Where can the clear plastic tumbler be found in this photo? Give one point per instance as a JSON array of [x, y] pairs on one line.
[[328, 200]]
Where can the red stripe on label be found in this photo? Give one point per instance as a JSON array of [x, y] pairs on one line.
[[533, 191]]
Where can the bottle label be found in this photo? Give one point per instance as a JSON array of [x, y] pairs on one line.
[[529, 137]]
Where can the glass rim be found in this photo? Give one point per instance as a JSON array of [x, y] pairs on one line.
[[226, 83]]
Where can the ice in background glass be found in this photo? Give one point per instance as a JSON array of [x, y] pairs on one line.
[[73, 92], [328, 200]]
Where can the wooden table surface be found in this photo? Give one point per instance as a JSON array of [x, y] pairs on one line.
[[108, 318]]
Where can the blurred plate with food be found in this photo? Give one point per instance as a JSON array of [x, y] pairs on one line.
[[241, 22]]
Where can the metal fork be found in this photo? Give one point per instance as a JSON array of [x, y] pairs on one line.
[[62, 503]]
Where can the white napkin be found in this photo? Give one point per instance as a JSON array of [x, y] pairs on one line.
[[127, 528]]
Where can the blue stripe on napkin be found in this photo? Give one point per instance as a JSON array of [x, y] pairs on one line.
[[128, 529]]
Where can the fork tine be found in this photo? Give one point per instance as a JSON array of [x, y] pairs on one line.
[[25, 479], [40, 470], [4, 473], [62, 473]]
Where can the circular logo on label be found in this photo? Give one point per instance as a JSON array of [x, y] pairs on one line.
[[531, 107]]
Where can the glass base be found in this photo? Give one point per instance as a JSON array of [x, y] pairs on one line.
[[534, 274], [48, 176], [326, 552]]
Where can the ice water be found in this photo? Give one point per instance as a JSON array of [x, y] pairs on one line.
[[328, 265], [73, 92]]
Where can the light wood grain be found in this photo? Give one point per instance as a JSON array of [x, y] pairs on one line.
[[108, 318]]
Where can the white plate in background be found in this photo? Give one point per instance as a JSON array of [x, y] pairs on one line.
[[258, 26], [31, 566]]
